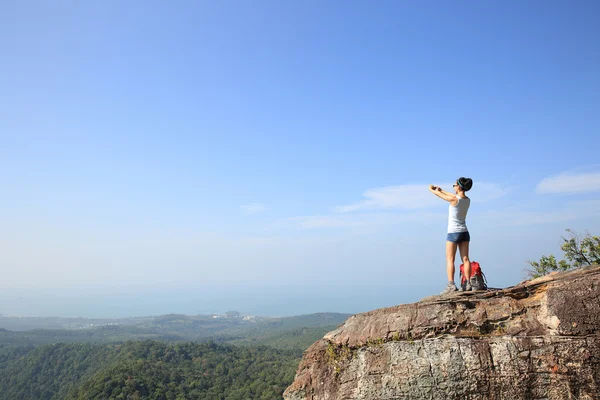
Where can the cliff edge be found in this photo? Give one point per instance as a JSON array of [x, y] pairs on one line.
[[537, 340]]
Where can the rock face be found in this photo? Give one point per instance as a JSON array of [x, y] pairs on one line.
[[537, 340]]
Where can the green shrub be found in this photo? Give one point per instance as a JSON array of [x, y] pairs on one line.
[[578, 252]]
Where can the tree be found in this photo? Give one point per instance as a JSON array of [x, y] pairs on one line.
[[578, 252]]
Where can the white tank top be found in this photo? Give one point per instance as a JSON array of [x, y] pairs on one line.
[[457, 215]]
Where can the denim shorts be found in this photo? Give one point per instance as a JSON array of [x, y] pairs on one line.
[[458, 237]]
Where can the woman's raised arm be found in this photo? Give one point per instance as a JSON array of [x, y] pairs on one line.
[[443, 194]]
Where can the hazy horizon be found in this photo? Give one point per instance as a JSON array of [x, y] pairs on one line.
[[274, 158]]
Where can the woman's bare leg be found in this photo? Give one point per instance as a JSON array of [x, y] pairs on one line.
[[464, 255], [450, 256]]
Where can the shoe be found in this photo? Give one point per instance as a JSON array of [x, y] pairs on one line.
[[467, 288], [450, 288]]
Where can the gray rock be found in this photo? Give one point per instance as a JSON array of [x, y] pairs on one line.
[[537, 340]]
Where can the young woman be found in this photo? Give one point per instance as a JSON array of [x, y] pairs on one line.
[[458, 234]]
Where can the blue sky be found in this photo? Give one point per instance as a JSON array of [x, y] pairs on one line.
[[273, 157]]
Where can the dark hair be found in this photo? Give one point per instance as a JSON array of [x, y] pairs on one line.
[[465, 183]]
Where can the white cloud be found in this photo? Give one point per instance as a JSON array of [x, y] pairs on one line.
[[362, 220], [402, 197], [483, 192], [416, 196], [393, 205], [254, 208], [570, 183], [572, 211]]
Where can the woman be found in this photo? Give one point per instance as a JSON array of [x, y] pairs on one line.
[[458, 234]]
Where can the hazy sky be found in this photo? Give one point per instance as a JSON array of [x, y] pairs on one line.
[[273, 157]]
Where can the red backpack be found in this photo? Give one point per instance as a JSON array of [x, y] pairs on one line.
[[479, 283]]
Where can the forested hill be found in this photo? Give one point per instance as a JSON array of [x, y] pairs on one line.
[[156, 357], [297, 332], [145, 370]]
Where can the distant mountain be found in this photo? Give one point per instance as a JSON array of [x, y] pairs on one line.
[[31, 323], [281, 332], [297, 338]]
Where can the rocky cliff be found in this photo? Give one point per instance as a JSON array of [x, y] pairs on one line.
[[537, 340]]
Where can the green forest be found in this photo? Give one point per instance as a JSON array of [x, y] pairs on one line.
[[146, 370], [165, 357]]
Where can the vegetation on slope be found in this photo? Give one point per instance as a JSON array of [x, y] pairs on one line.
[[146, 369]]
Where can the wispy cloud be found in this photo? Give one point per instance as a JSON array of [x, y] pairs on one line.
[[572, 211], [402, 197], [254, 208], [483, 191], [392, 205], [362, 220], [570, 183], [414, 197]]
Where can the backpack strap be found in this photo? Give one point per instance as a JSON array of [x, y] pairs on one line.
[[485, 286]]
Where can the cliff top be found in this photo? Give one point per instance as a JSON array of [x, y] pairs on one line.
[[474, 314], [537, 339]]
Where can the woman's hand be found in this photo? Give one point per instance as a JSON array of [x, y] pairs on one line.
[[443, 195]]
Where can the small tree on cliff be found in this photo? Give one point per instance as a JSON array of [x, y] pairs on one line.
[[579, 252]]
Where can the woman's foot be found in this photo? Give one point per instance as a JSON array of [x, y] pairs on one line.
[[450, 288]]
